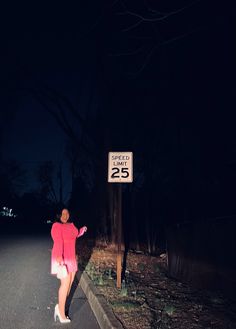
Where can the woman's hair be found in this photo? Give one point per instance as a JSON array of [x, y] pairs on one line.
[[58, 215]]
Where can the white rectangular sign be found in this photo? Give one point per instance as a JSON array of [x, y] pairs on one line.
[[120, 167]]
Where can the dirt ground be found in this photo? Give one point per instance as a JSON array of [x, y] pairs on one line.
[[150, 299]]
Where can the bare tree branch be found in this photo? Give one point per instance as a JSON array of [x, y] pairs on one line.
[[154, 48], [149, 55], [153, 41], [134, 52], [60, 117], [55, 96], [142, 18], [99, 18], [182, 36]]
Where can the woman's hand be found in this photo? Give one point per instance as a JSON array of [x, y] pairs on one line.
[[60, 260], [82, 231]]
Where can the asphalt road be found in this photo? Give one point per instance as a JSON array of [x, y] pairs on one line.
[[28, 293]]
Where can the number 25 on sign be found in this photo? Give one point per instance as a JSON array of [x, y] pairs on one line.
[[120, 167]]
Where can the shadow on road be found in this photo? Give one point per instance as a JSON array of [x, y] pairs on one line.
[[84, 249]]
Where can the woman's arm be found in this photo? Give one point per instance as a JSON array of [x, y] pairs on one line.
[[58, 242]]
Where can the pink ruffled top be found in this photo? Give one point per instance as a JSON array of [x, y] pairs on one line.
[[64, 238]]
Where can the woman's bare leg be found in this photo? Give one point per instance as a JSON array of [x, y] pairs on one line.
[[71, 282], [62, 294]]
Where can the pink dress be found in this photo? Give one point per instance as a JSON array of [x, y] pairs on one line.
[[64, 238]]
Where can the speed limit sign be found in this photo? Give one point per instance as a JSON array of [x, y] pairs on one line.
[[120, 167]]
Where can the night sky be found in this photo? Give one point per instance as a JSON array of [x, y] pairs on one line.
[[30, 134], [176, 73], [38, 51]]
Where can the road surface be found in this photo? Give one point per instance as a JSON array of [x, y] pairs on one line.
[[28, 293]]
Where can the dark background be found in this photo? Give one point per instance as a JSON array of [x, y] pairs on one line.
[[154, 79]]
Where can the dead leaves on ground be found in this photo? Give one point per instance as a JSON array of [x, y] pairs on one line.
[[150, 299]]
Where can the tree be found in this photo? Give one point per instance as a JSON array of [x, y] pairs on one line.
[[85, 149], [166, 65], [142, 31], [46, 174], [12, 179]]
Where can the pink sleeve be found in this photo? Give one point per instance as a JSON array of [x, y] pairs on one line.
[[57, 239], [81, 232]]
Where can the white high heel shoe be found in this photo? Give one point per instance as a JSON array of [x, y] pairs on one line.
[[57, 314]]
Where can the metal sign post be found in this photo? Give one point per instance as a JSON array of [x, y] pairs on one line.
[[120, 170]]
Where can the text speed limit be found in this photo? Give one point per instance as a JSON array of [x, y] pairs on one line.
[[120, 167]]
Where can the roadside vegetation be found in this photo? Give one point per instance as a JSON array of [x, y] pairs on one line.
[[149, 298]]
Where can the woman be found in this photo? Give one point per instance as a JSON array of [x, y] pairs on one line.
[[64, 234]]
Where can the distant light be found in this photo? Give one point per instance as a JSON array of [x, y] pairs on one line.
[[7, 212]]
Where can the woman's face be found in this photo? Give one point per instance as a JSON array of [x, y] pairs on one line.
[[65, 216]]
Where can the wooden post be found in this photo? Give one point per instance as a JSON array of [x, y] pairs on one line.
[[119, 232]]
